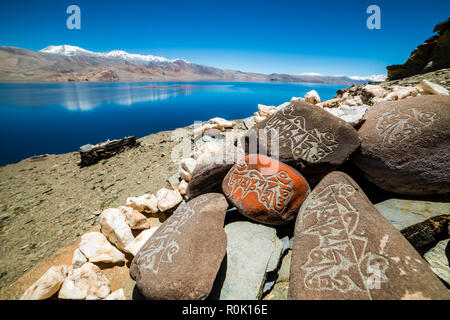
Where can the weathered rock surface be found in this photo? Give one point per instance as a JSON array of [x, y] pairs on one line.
[[405, 145], [345, 249], [182, 258], [115, 227], [310, 139], [429, 56], [134, 246], [87, 282], [253, 250], [96, 248], [438, 258], [48, 284], [265, 190], [405, 213]]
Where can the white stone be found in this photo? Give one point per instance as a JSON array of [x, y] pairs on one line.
[[78, 258], [352, 115], [146, 203], [48, 284], [433, 88], [182, 187], [375, 91], [200, 129], [266, 111], [167, 199], [115, 227], [187, 167], [140, 240], [185, 175], [116, 295], [353, 101], [283, 105], [87, 282], [401, 92], [134, 218], [330, 103], [249, 122], [259, 119], [96, 248], [293, 99], [222, 123], [312, 97]]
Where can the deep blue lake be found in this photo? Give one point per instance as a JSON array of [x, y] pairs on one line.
[[57, 118]]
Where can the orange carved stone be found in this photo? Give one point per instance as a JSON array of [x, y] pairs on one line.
[[265, 190]]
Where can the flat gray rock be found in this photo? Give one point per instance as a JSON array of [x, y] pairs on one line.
[[405, 213], [281, 287], [253, 250], [438, 260]]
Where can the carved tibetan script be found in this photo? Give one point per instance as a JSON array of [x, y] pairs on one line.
[[341, 260], [164, 245], [310, 145], [273, 191], [397, 126]]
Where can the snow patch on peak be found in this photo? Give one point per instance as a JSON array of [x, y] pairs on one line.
[[69, 50], [66, 50]]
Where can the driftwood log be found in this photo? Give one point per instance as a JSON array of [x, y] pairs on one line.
[[91, 154]]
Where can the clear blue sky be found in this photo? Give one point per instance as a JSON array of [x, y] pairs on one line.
[[328, 37]]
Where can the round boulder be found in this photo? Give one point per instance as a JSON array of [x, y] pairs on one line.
[[405, 145], [265, 190]]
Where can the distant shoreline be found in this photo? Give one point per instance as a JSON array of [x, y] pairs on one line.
[[184, 81]]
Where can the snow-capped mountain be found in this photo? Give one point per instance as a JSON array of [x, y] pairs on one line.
[[375, 77], [69, 50], [66, 63]]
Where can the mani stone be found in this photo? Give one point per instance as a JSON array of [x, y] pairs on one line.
[[345, 249], [309, 138], [405, 145], [405, 213], [253, 250], [181, 259], [265, 190]]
